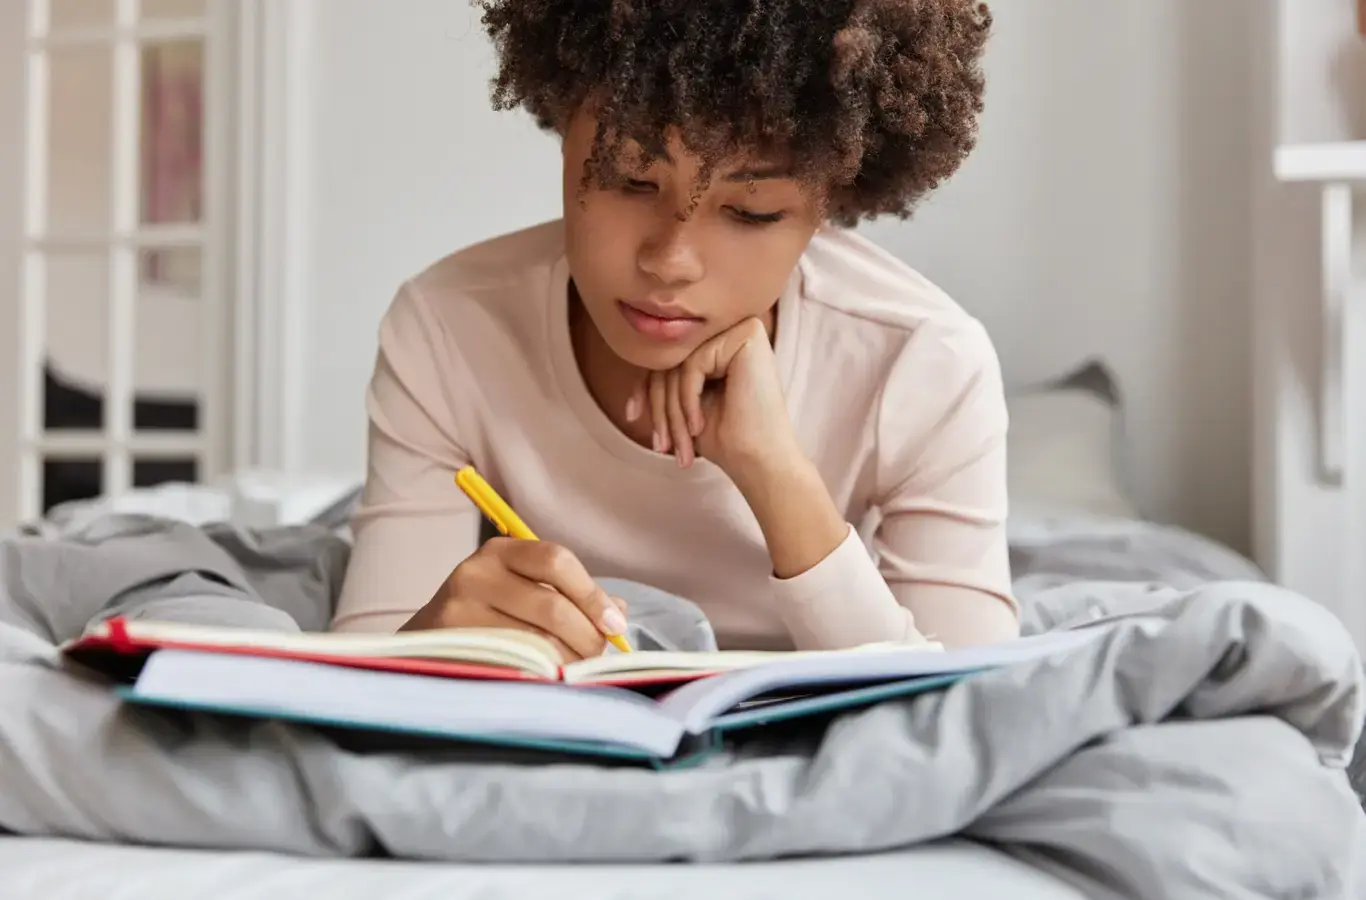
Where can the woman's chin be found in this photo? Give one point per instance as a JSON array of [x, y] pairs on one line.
[[648, 356], [644, 353]]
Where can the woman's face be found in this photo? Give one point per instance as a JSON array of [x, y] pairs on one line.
[[656, 282]]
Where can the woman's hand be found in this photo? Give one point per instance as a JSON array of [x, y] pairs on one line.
[[725, 403], [533, 586]]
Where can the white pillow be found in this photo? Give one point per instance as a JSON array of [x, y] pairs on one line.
[[1062, 449]]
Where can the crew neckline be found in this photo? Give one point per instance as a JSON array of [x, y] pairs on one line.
[[596, 421]]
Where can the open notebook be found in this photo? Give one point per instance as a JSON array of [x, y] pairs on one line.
[[120, 645], [683, 725]]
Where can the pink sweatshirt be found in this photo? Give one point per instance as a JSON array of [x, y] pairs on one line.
[[895, 393]]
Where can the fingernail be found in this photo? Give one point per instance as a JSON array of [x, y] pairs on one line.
[[657, 442], [613, 622], [633, 409], [696, 425]]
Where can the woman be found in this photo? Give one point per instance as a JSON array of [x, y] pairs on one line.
[[699, 379]]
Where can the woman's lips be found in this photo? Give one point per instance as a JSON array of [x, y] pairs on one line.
[[659, 327]]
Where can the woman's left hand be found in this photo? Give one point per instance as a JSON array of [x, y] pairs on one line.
[[724, 402]]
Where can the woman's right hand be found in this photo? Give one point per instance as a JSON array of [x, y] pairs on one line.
[[534, 586]]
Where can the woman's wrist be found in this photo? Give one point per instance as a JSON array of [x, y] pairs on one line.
[[799, 519]]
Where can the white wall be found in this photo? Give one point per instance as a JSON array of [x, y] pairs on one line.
[[1105, 213], [406, 162]]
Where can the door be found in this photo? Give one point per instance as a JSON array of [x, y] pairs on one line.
[[113, 248]]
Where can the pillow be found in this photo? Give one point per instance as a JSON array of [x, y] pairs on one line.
[[1062, 450]]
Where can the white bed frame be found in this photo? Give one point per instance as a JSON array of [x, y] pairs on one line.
[[1309, 485]]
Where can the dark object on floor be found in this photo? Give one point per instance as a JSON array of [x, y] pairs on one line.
[[68, 407]]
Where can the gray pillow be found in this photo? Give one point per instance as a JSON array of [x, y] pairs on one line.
[[1066, 445]]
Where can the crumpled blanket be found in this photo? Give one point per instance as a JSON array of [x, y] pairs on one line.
[[1195, 749]]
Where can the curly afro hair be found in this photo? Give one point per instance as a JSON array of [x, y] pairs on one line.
[[872, 102]]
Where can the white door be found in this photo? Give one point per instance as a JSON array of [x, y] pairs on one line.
[[113, 247]]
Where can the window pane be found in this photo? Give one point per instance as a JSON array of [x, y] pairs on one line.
[[80, 140], [170, 365], [65, 480], [172, 132], [76, 346], [68, 14], [174, 9], [152, 472]]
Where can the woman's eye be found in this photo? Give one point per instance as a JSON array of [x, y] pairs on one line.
[[636, 186], [750, 217]]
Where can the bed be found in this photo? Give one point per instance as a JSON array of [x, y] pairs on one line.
[[1072, 521], [52, 869]]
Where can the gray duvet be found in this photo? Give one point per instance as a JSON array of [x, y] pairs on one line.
[[1196, 749]]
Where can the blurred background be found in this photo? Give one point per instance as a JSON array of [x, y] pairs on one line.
[[206, 205]]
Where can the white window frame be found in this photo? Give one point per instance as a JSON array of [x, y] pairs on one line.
[[256, 67], [13, 28], [274, 57], [116, 443]]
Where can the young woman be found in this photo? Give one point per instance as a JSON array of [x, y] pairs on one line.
[[700, 379]]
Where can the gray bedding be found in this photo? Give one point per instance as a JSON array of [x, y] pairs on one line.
[[1048, 551], [1195, 749]]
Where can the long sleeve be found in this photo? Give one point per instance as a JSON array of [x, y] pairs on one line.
[[939, 566], [413, 526]]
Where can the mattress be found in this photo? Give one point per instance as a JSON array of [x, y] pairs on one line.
[[47, 869]]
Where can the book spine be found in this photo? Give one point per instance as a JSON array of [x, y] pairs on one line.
[[693, 751]]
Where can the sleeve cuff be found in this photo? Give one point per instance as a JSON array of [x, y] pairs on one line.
[[842, 601]]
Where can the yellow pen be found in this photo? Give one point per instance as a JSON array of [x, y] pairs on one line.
[[508, 522]]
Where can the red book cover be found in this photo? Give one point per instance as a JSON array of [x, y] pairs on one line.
[[119, 650], [119, 654]]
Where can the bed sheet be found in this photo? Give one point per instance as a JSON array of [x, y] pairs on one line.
[[47, 869]]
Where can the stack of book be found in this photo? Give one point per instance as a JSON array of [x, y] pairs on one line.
[[507, 687]]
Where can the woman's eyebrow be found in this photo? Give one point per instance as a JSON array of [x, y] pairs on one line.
[[759, 173]]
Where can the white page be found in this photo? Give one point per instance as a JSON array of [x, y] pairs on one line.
[[402, 701], [697, 703], [615, 663]]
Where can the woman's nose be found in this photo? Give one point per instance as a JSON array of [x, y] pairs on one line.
[[671, 256]]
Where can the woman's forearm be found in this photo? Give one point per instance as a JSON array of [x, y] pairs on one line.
[[799, 520]]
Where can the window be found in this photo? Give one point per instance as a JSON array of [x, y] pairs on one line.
[[123, 350]]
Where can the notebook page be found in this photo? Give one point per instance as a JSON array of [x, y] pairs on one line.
[[642, 662], [443, 707], [697, 704]]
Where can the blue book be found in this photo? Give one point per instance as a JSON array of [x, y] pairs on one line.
[[593, 720]]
